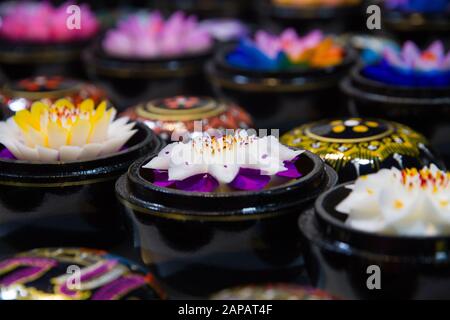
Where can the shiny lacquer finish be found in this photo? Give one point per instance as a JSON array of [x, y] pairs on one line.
[[341, 259], [359, 146], [43, 274], [199, 243], [66, 203]]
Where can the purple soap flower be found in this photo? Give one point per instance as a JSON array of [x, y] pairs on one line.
[[198, 183], [250, 180], [410, 66], [148, 35]]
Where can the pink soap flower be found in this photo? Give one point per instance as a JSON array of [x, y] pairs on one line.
[[149, 35], [40, 22]]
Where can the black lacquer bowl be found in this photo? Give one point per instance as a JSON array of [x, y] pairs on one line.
[[66, 203], [330, 18], [198, 243], [21, 60], [417, 107], [280, 100], [352, 263], [131, 81]]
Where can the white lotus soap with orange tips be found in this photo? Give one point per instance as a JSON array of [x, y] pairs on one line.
[[410, 202], [65, 132]]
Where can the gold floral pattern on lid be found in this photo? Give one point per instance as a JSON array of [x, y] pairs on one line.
[[358, 142], [179, 113]]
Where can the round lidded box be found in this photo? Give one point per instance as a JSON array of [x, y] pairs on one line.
[[343, 260], [179, 114], [20, 94], [51, 274], [220, 239], [358, 146]]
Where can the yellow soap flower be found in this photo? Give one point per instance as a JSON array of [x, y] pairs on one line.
[[65, 132]]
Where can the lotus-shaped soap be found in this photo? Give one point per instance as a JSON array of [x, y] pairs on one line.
[[64, 132], [278, 52], [410, 202], [148, 35], [40, 22], [240, 161]]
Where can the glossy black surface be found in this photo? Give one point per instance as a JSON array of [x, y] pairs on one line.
[[131, 81], [21, 60], [337, 257], [199, 243], [67, 203], [359, 146], [280, 100], [416, 107]]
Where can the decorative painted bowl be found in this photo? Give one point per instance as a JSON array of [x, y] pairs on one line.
[[358, 264], [20, 94], [37, 38], [277, 291], [338, 16], [66, 203], [147, 57], [280, 99], [180, 114], [220, 239], [52, 274], [356, 146]]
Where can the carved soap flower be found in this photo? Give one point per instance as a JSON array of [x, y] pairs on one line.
[[410, 202], [277, 52], [149, 35], [411, 67], [236, 162], [64, 132], [40, 22], [422, 6]]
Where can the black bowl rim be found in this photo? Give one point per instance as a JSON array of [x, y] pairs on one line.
[[320, 171], [359, 238], [82, 166], [316, 169]]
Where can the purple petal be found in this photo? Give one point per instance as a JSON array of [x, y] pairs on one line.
[[291, 172], [161, 178], [6, 154], [437, 49], [249, 179], [410, 53], [198, 183]]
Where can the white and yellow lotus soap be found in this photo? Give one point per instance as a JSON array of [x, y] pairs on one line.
[[63, 132], [410, 202]]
